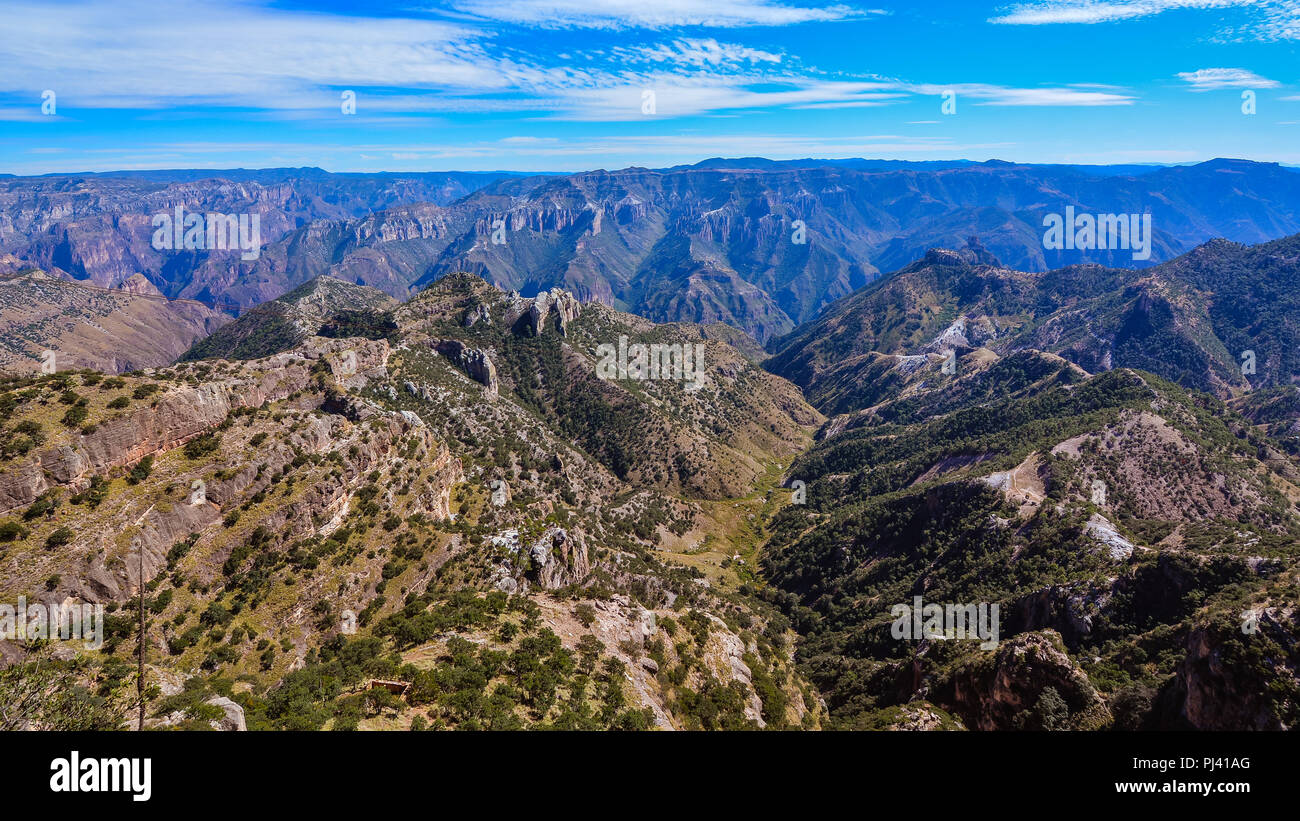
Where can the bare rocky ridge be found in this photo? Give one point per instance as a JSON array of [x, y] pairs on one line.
[[85, 326], [175, 418]]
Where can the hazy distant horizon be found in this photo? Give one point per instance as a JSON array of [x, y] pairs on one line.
[[812, 161]]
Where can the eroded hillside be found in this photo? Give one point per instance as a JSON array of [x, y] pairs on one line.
[[459, 504]]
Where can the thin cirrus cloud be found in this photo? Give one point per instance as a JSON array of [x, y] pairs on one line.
[[993, 95], [123, 55], [1270, 19], [97, 54], [1213, 79], [700, 53], [1102, 11], [656, 14], [679, 96]]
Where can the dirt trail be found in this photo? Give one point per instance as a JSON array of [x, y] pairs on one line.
[[1022, 484]]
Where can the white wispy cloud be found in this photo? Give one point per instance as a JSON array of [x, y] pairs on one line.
[[682, 95], [1212, 79], [1101, 11], [699, 53], [100, 54], [1269, 19], [655, 14], [995, 95]]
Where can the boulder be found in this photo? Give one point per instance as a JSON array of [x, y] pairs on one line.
[[234, 718]]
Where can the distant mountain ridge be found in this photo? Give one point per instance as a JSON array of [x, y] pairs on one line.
[[98, 227], [762, 248], [110, 330], [860, 163], [1196, 320]]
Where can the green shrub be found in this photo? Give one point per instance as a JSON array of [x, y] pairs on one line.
[[141, 470], [60, 537], [12, 531], [75, 416]]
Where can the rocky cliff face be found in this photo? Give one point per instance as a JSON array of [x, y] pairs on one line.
[[1005, 691], [1236, 677]]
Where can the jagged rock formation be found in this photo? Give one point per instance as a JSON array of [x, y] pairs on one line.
[[559, 558], [473, 361], [565, 306]]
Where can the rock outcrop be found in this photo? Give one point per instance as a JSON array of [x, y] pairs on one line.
[[999, 693], [479, 313], [560, 558], [474, 361], [562, 303], [233, 721], [1234, 680]]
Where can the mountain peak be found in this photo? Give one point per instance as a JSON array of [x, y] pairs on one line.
[[333, 294], [976, 253], [139, 285]]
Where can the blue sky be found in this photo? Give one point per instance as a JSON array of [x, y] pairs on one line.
[[555, 85]]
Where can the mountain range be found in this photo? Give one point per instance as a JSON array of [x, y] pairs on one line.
[[407, 459], [763, 246]]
